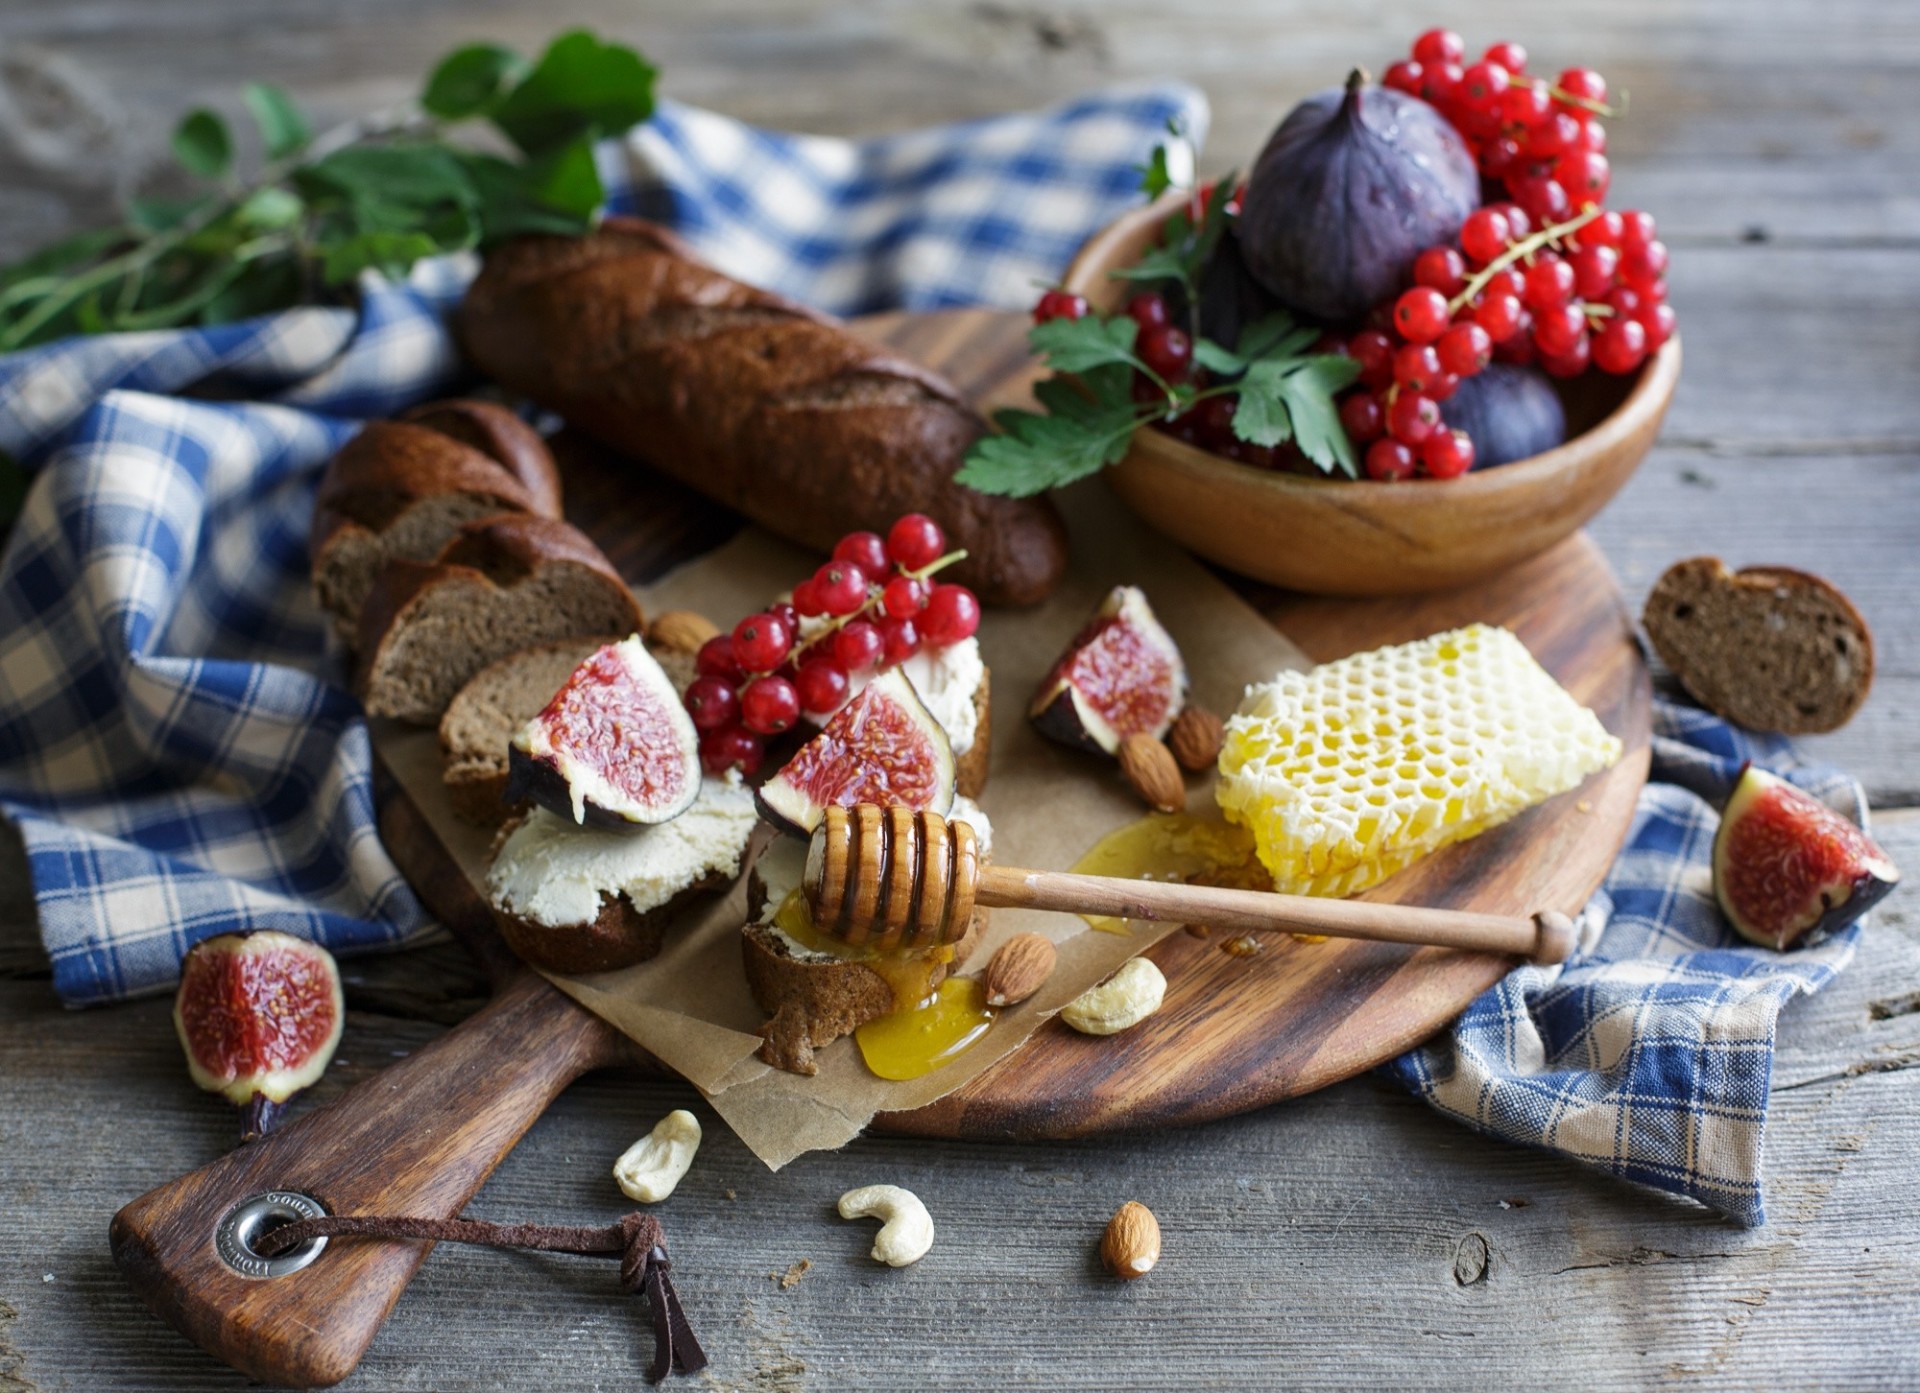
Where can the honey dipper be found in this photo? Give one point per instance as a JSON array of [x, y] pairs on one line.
[[896, 878]]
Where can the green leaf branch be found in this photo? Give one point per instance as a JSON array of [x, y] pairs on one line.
[[379, 193]]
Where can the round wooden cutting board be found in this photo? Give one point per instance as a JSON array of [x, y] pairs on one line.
[[1239, 1032]]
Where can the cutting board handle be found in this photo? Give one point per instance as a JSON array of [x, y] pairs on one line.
[[417, 1139]]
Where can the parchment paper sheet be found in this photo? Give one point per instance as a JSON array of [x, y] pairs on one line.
[[690, 1007]]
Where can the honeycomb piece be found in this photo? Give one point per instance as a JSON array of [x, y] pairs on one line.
[[1357, 769]]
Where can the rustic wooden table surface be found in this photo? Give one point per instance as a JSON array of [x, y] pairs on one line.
[[1354, 1237]]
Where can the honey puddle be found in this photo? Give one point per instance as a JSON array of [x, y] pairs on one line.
[[1174, 847], [938, 1025]]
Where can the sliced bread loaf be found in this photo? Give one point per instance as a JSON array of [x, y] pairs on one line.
[[501, 436], [1766, 647], [399, 491], [501, 584]]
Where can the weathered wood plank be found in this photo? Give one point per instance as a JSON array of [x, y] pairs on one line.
[[1348, 1238]]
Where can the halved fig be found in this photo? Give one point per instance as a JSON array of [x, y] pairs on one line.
[[614, 748], [1787, 867], [882, 747], [259, 1015], [1122, 675]]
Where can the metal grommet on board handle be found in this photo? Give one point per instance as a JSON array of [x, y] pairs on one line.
[[243, 1225]]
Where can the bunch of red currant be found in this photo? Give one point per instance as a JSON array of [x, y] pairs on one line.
[[1532, 280], [878, 606]]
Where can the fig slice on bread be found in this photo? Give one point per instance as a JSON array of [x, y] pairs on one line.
[[614, 746], [881, 747]]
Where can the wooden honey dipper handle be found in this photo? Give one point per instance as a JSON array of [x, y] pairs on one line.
[[893, 877]]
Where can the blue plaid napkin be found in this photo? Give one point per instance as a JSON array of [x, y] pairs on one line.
[[180, 761]]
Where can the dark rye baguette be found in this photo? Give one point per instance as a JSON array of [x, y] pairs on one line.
[[762, 404], [500, 585], [400, 489], [1766, 647]]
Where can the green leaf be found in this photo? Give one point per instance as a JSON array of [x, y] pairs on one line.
[[397, 176], [164, 214], [272, 283], [1159, 264], [508, 208], [203, 143], [580, 86], [390, 253], [283, 129], [1262, 417], [468, 81], [1154, 176], [1077, 345], [61, 255], [1088, 426], [270, 207], [1309, 395], [567, 180]]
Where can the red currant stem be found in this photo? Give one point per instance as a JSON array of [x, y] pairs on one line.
[[1526, 247], [875, 600], [1588, 103], [1595, 309]]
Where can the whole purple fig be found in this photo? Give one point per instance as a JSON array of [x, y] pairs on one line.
[[1351, 187], [1510, 411]]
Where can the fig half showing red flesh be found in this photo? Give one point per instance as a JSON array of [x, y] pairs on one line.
[[614, 748], [1787, 867], [882, 747], [1122, 675], [259, 1015]]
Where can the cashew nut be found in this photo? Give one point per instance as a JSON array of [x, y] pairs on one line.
[[653, 1165], [1124, 999], [906, 1229]]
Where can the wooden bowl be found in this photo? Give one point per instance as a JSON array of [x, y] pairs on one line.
[[1358, 537]]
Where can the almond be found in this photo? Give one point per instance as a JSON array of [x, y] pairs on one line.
[[1195, 739], [1019, 969], [681, 631], [1149, 767], [1131, 1245]]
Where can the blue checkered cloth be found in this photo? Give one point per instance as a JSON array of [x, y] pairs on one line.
[[180, 760]]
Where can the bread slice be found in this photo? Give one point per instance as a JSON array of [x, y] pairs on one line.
[[1765, 647], [501, 584], [400, 490], [482, 718], [584, 899], [813, 998]]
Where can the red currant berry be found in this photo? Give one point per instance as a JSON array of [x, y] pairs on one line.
[[904, 596], [1593, 270], [1641, 266], [1443, 386], [1523, 106], [915, 541], [1499, 157], [1658, 321], [1519, 348], [952, 615], [787, 614], [1447, 454], [1519, 224], [721, 750], [1412, 418], [1439, 82], [1420, 314], [1583, 84], [1553, 137], [1166, 350], [899, 640], [769, 705], [711, 703], [715, 659], [1441, 268], [1389, 461], [1213, 421], [1403, 76], [1373, 351], [1621, 346], [761, 642], [1593, 136], [821, 686], [1415, 367], [865, 550], [1508, 55], [1558, 329], [1059, 304], [857, 647], [1362, 417], [1625, 300], [1544, 200], [1549, 283], [1499, 315], [1465, 349], [1570, 364], [1584, 175], [1147, 309], [1508, 280], [841, 587], [1439, 46], [1484, 234], [1481, 86], [1636, 230], [806, 600]]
